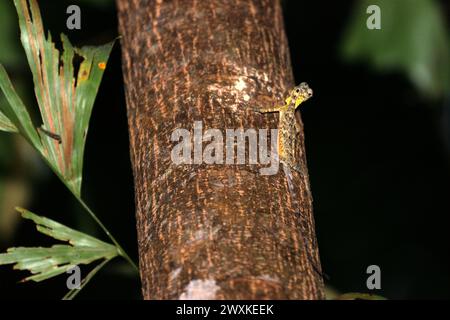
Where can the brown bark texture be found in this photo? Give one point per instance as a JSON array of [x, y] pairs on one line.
[[213, 231]]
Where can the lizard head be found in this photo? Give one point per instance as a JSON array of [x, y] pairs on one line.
[[301, 93]]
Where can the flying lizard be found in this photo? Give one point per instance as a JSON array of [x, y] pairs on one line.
[[289, 144], [288, 126]]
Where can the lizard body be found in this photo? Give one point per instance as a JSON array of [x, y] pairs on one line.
[[288, 126], [289, 145]]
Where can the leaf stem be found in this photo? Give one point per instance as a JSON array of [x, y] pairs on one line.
[[120, 250], [73, 293], [77, 196]]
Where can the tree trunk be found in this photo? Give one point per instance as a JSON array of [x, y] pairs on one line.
[[213, 231]]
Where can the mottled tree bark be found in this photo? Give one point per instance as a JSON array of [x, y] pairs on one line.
[[213, 231]]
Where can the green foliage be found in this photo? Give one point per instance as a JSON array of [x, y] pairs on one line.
[[45, 263], [9, 52], [6, 124], [65, 85], [16, 112], [412, 40], [65, 99]]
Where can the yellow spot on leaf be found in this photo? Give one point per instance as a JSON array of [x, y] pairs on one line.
[[83, 74], [102, 65]]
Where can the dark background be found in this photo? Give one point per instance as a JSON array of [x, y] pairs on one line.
[[377, 149]]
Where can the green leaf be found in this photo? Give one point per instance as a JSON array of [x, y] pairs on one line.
[[6, 125], [65, 85], [48, 262], [15, 111], [94, 63], [412, 39]]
